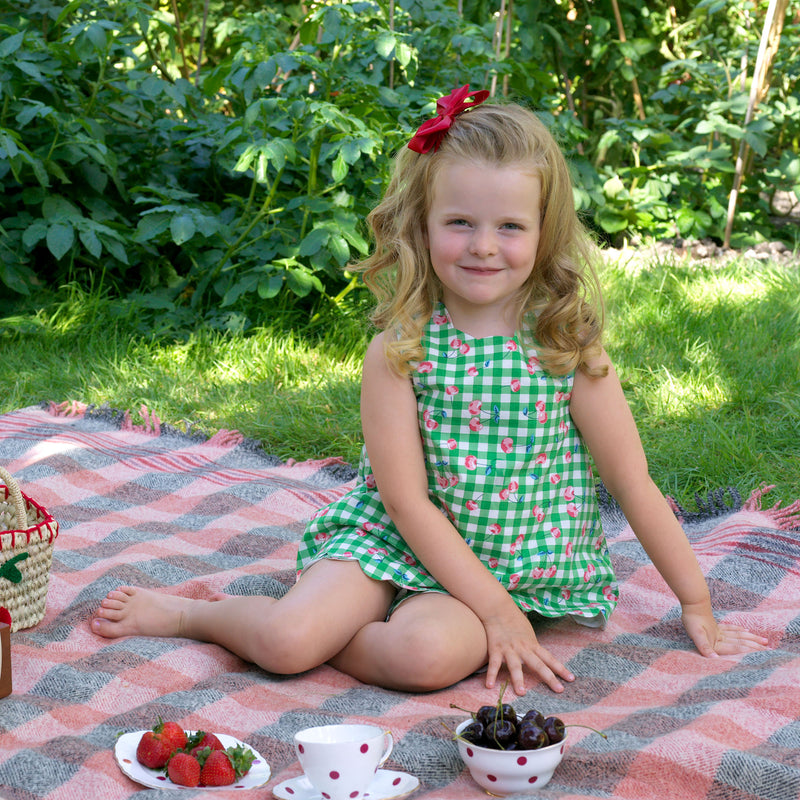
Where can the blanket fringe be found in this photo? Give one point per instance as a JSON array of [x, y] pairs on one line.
[[786, 518], [69, 408], [226, 438], [152, 424]]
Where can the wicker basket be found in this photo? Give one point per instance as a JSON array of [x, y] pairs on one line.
[[27, 534]]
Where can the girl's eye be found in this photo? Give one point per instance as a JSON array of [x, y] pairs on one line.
[[458, 221], [512, 226]]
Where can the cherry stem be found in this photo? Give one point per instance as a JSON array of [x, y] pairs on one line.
[[588, 728]]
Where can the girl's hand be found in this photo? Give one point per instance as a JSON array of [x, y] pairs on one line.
[[712, 639], [511, 641]]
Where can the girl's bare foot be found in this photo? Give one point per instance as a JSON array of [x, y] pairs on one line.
[[129, 611]]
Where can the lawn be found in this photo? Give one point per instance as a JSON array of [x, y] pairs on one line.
[[709, 356]]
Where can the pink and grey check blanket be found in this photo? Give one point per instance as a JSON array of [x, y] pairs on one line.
[[148, 505]]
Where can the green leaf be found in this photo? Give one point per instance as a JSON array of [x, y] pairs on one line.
[[97, 36], [610, 220], [58, 209], [355, 239], [31, 70], [403, 53], [182, 228], [264, 73], [8, 144], [10, 45], [151, 227], [385, 44], [339, 169], [715, 124], [32, 110], [758, 143], [17, 277], [270, 286], [302, 282], [60, 238], [91, 242], [243, 286], [613, 187], [278, 151], [34, 234], [629, 50], [339, 249], [314, 242], [246, 159], [116, 248]]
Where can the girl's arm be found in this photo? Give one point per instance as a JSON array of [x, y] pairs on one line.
[[601, 413], [392, 438]]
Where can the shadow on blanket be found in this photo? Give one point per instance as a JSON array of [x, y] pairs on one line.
[[148, 505]]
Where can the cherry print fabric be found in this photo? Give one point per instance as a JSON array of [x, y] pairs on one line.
[[505, 464]]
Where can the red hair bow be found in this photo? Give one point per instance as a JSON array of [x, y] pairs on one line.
[[429, 135]]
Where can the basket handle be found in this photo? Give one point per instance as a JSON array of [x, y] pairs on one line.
[[15, 495]]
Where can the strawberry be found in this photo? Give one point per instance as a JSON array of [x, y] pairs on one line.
[[152, 751], [218, 770], [200, 740], [156, 746], [174, 734], [184, 769], [223, 767]]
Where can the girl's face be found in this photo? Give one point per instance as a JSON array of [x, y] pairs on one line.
[[482, 234]]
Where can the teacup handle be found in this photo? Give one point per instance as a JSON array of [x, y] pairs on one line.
[[387, 735]]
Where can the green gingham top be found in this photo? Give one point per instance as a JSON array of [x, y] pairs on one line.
[[505, 464]]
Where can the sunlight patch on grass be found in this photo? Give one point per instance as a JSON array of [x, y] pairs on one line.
[[682, 395], [734, 290]]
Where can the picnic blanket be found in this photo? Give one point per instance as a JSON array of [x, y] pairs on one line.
[[143, 503]]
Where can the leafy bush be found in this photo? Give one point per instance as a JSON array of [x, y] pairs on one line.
[[203, 166]]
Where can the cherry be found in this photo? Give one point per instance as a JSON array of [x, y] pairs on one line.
[[500, 728], [534, 716], [532, 737], [501, 733], [487, 715], [507, 712], [474, 732], [554, 728]]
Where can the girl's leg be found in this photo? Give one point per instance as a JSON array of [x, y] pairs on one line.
[[312, 622], [431, 641]]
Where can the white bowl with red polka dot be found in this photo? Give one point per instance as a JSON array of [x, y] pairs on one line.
[[502, 772]]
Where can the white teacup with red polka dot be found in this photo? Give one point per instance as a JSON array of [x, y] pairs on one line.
[[340, 761]]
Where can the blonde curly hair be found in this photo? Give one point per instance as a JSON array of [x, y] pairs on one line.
[[560, 302]]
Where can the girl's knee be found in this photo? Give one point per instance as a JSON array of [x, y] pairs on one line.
[[285, 645], [423, 660]]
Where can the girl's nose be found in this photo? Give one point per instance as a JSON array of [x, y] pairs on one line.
[[483, 243]]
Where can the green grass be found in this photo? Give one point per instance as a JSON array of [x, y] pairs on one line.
[[709, 358], [297, 394], [710, 361]]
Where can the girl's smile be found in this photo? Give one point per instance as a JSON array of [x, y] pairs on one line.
[[483, 233]]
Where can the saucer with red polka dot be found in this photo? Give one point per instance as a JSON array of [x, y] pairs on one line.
[[387, 785]]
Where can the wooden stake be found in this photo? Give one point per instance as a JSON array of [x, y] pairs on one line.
[[498, 43], [637, 95], [767, 48], [507, 49], [391, 28]]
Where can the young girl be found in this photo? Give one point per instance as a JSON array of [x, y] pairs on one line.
[[482, 398]]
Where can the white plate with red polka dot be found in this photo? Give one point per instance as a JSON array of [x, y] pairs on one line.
[[387, 785]]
